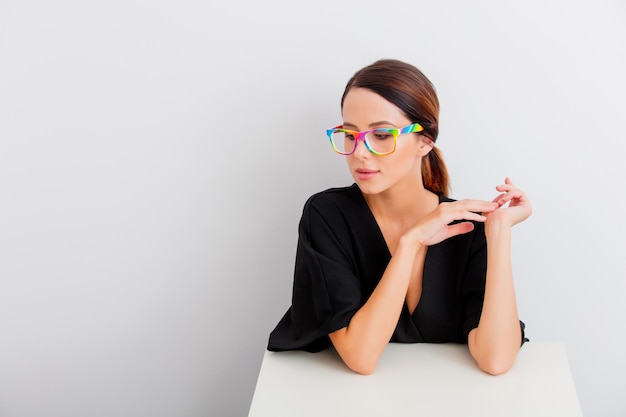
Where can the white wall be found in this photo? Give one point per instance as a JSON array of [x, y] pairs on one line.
[[155, 157]]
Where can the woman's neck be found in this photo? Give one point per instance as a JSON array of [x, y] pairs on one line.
[[405, 202]]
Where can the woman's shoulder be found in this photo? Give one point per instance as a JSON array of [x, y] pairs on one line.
[[338, 197], [445, 199]]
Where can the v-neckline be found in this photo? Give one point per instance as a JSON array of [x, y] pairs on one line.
[[377, 228]]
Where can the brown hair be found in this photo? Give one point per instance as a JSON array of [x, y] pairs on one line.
[[408, 88]]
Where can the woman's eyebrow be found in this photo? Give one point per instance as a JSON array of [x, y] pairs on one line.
[[375, 124], [382, 123]]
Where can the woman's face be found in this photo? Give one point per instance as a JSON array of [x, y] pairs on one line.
[[364, 110]]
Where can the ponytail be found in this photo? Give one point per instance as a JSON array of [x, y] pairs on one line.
[[435, 173]]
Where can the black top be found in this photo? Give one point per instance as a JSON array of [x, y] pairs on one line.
[[342, 256]]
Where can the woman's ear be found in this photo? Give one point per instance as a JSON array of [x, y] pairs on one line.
[[425, 146]]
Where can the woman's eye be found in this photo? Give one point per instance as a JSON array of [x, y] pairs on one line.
[[349, 136], [383, 135]]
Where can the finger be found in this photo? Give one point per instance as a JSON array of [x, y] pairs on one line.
[[511, 193], [516, 194], [474, 214], [506, 187], [477, 217], [508, 182], [464, 210], [460, 228], [476, 205], [499, 200]]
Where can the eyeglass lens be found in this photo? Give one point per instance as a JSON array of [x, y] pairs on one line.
[[379, 141]]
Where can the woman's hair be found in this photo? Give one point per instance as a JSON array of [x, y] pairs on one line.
[[408, 88]]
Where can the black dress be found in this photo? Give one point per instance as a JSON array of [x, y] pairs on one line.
[[341, 257]]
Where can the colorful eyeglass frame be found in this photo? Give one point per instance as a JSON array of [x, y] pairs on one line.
[[414, 128]]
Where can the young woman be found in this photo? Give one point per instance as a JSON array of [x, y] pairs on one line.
[[392, 258]]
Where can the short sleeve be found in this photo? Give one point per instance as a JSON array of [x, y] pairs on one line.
[[326, 290]]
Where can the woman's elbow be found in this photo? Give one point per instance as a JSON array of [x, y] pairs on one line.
[[495, 367], [357, 356], [494, 359], [362, 368], [361, 362]]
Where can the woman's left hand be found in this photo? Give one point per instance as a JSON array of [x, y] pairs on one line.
[[517, 211]]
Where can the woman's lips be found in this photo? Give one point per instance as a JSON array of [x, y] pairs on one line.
[[365, 174]]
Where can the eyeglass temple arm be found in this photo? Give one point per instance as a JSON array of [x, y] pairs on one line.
[[415, 127]]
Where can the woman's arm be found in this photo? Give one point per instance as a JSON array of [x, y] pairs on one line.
[[495, 342], [363, 341]]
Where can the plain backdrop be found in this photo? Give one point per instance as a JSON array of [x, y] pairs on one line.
[[155, 157]]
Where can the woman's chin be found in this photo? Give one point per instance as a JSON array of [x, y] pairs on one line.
[[368, 187]]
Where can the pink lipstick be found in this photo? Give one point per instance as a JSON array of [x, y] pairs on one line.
[[365, 174]]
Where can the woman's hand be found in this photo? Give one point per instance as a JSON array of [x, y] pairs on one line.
[[518, 208], [436, 227]]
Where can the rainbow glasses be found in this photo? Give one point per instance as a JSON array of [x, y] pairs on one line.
[[381, 141]]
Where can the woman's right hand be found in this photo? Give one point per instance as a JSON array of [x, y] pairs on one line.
[[436, 227]]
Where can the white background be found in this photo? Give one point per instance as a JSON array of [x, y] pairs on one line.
[[155, 157]]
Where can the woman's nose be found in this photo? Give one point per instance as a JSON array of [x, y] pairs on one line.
[[361, 150]]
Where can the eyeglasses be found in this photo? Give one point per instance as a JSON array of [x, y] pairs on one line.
[[381, 141]]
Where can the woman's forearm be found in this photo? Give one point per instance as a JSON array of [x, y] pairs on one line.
[[363, 341], [495, 342]]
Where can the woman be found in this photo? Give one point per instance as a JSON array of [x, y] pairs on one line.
[[391, 258]]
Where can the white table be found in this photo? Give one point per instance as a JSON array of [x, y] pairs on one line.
[[416, 380]]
